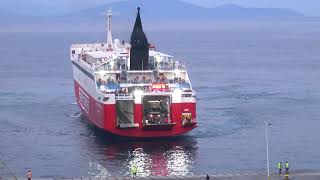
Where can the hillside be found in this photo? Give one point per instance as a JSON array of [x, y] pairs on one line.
[[177, 10]]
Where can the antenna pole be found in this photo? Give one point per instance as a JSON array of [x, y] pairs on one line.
[[109, 30]]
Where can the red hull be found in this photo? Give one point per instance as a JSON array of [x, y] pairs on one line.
[[104, 117]]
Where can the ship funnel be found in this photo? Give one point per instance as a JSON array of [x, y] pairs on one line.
[[139, 52]]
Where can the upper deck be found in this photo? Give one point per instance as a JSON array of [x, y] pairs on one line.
[[111, 67], [120, 67], [98, 57]]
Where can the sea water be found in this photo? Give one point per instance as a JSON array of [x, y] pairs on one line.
[[243, 77]]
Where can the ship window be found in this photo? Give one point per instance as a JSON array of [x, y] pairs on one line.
[[185, 86], [186, 95]]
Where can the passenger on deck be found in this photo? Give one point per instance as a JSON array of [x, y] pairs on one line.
[[99, 82], [109, 79], [118, 80], [179, 80], [175, 79], [137, 79], [162, 78], [29, 174], [146, 89]]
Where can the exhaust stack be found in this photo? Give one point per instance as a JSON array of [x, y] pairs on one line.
[[139, 52]]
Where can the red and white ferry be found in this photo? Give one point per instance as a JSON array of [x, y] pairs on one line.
[[132, 90]]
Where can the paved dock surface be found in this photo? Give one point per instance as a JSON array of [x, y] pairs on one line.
[[240, 176]]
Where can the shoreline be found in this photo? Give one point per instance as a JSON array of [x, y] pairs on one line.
[[295, 175]]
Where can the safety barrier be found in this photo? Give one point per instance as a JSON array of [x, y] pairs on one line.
[[5, 172]]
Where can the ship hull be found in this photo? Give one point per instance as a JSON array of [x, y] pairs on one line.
[[104, 116]]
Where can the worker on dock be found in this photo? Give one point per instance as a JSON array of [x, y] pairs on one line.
[[279, 167], [287, 167], [29, 174], [134, 171]]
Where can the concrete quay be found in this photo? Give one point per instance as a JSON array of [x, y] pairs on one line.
[[240, 176]]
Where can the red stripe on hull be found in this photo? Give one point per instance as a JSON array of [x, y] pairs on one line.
[[104, 117]]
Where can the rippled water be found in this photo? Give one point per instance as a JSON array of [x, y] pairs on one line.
[[243, 77]]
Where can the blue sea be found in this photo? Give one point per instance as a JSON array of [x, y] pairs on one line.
[[244, 76]]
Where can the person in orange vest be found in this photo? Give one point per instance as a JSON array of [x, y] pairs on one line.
[[29, 174]]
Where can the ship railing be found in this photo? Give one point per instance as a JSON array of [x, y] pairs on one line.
[[5, 172], [89, 46], [148, 81], [171, 66], [124, 97], [186, 95]]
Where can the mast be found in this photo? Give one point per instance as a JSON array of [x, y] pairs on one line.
[[109, 28]]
